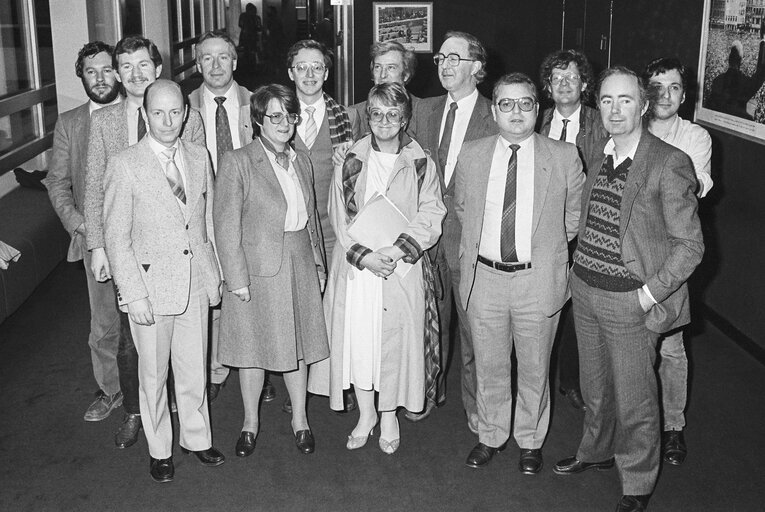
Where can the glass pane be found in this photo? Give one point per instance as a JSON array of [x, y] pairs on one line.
[[44, 42], [198, 29], [131, 21], [50, 114], [186, 19], [101, 24], [16, 130], [173, 21], [15, 75]]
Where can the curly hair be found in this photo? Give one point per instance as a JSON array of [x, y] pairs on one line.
[[560, 60], [130, 44], [90, 50]]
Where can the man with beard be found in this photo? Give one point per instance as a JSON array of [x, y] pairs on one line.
[[113, 129], [66, 189]]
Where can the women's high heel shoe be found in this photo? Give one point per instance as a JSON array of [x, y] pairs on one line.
[[354, 443], [389, 447]]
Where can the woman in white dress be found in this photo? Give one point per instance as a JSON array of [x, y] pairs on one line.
[[376, 312]]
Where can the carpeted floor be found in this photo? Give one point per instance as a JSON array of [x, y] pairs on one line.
[[53, 460]]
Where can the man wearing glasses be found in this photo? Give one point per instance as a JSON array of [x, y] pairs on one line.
[[324, 125], [441, 125], [567, 79], [517, 203]]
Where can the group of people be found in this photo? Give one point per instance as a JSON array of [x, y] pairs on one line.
[[338, 245]]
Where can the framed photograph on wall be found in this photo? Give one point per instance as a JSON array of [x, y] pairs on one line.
[[732, 69], [409, 23]]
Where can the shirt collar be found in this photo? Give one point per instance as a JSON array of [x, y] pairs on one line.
[[525, 143], [610, 149], [574, 118], [318, 104], [157, 147], [231, 95], [466, 104]]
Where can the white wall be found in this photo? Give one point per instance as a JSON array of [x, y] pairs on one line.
[[69, 29]]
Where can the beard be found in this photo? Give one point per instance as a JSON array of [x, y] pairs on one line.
[[104, 98]]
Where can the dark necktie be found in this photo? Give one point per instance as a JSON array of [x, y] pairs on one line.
[[563, 131], [141, 125], [223, 141], [446, 138], [507, 237], [174, 175]]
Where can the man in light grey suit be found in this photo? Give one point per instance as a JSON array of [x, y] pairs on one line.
[[441, 125], [66, 188], [112, 129], [517, 202], [639, 241], [159, 238], [225, 109]]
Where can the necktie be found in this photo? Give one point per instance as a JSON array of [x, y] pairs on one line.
[[174, 175], [311, 131], [507, 236], [141, 125], [223, 141], [281, 156], [563, 131], [446, 138]]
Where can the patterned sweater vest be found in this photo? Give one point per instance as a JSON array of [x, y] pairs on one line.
[[598, 256]]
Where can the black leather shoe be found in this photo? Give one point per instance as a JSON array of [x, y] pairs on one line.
[[530, 462], [572, 465], [246, 444], [162, 470], [127, 434], [673, 446], [304, 441], [287, 405], [210, 457], [269, 391], [633, 503], [574, 397], [212, 391], [481, 455]]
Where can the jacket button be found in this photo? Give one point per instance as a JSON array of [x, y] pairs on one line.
[[187, 227], [185, 251]]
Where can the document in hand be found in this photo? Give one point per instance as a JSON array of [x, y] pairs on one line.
[[378, 225]]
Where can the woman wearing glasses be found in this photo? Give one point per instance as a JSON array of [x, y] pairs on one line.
[[270, 249], [376, 312]]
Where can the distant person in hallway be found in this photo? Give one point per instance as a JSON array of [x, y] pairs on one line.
[[158, 230], [380, 317], [66, 188], [274, 267], [225, 109], [667, 81], [639, 241], [568, 81]]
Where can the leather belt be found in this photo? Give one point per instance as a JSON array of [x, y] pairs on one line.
[[504, 267]]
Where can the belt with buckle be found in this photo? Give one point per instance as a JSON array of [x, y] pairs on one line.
[[502, 266]]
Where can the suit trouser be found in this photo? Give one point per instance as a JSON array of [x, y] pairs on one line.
[[104, 337], [449, 302], [673, 375], [127, 362], [218, 372], [504, 313], [616, 356], [568, 351], [184, 339]]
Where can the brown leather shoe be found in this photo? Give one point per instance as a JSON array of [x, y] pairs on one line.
[[127, 435], [530, 462], [633, 503], [572, 465]]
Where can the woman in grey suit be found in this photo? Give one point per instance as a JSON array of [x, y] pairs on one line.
[[271, 253]]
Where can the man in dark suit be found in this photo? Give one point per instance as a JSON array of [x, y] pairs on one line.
[[441, 125], [66, 188], [517, 200], [567, 79], [639, 241]]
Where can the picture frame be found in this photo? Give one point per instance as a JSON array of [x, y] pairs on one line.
[[731, 71], [409, 23]]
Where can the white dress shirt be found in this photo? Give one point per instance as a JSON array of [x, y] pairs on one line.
[[208, 116], [572, 129], [158, 149], [297, 213], [695, 142], [461, 119], [495, 199], [318, 116]]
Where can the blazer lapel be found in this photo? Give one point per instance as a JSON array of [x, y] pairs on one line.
[[478, 119], [121, 127], [636, 177], [478, 178], [195, 172], [434, 127], [542, 172], [260, 164], [153, 175], [301, 168]]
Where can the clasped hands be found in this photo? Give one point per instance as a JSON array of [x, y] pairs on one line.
[[382, 262]]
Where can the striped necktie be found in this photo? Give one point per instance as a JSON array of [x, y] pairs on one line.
[[563, 131], [446, 137], [223, 141], [507, 233], [311, 131], [173, 175]]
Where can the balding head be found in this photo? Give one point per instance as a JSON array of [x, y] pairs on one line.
[[165, 110]]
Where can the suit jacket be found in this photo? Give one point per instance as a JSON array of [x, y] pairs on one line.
[[591, 129], [249, 215], [660, 231], [108, 136], [197, 101], [558, 181], [150, 240], [66, 173]]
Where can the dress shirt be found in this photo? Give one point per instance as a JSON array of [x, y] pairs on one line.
[[461, 120], [297, 213], [572, 130], [318, 116], [158, 149], [695, 142], [495, 199], [208, 117], [132, 122]]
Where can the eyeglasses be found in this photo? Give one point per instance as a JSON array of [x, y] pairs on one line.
[[279, 117], [568, 77], [316, 67], [526, 104], [452, 60], [391, 116]]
